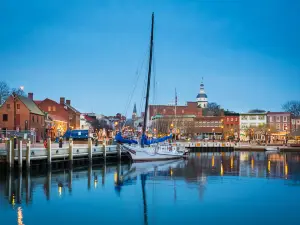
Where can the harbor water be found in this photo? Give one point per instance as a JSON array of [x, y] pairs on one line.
[[207, 188]]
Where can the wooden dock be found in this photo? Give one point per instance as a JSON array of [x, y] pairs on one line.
[[25, 155]]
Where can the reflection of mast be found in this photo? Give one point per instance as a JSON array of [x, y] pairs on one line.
[[143, 181]]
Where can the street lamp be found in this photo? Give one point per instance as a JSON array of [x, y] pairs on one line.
[[285, 128], [213, 130]]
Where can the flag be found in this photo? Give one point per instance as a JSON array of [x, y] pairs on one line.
[[175, 97]]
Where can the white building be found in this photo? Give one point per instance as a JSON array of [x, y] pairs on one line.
[[84, 124], [248, 120], [202, 97]]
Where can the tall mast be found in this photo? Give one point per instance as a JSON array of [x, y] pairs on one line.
[[149, 78]]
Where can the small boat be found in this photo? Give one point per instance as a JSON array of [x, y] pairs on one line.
[[156, 148], [272, 148]]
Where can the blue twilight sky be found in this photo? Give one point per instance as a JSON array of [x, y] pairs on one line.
[[89, 51]]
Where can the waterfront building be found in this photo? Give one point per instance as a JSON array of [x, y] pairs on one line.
[[209, 127], [231, 125], [250, 124], [279, 125], [295, 123], [28, 116]]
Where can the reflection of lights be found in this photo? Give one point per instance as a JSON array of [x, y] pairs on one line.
[[244, 156], [269, 166], [59, 190], [95, 183], [222, 169], [252, 163], [231, 162], [286, 169], [213, 161], [116, 177], [20, 216], [13, 201], [171, 172], [198, 155]]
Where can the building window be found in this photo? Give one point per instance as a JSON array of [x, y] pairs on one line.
[[183, 111], [284, 119], [53, 108], [298, 121], [164, 110], [261, 117], [231, 119], [49, 108], [18, 106], [244, 117], [32, 118], [285, 126], [278, 126], [277, 118], [271, 119], [5, 117], [37, 119], [236, 119], [252, 117], [227, 119], [8, 106]]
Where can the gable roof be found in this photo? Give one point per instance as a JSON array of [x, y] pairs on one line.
[[72, 108], [32, 107]]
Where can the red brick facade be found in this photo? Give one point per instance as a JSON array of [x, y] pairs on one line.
[[231, 124], [190, 109], [25, 120]]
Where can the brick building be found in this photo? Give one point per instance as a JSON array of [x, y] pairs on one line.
[[231, 125], [295, 123], [74, 114], [28, 116], [209, 127], [279, 122]]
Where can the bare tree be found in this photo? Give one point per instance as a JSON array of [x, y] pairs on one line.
[[100, 124], [213, 109], [4, 92], [292, 107], [18, 91]]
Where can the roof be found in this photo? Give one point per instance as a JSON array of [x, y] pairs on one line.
[[37, 102], [57, 118], [87, 118], [32, 107], [72, 108], [201, 95]]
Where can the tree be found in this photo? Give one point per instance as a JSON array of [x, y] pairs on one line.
[[18, 91], [292, 107], [4, 92], [213, 109], [99, 124]]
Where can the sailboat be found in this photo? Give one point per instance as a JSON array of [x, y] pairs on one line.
[[157, 148]]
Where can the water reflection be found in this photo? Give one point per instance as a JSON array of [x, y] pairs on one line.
[[201, 172]]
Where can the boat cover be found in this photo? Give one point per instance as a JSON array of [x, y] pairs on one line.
[[146, 141], [119, 138]]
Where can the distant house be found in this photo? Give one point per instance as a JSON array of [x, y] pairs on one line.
[[29, 117], [74, 114]]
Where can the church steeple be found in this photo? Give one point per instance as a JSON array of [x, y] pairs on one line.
[[134, 113], [202, 97]]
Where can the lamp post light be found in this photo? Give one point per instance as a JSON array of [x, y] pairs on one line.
[[285, 128], [213, 130]]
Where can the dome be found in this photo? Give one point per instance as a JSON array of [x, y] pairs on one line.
[[202, 95]]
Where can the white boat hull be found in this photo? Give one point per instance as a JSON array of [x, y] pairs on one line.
[[153, 153], [273, 149]]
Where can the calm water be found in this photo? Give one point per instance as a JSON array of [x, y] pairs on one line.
[[219, 188]]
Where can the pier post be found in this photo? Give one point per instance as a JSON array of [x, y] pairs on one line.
[[49, 151], [11, 155], [49, 177], [90, 149], [104, 150], [103, 174], [71, 151], [20, 156], [28, 154]]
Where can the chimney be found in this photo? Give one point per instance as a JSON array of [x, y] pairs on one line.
[[62, 100], [68, 102], [30, 96]]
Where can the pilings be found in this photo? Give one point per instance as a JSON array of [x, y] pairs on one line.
[[28, 154], [20, 155], [71, 151], [90, 150]]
